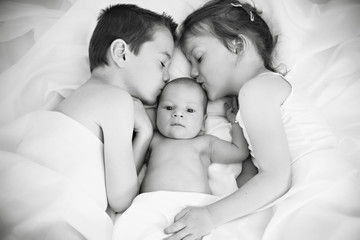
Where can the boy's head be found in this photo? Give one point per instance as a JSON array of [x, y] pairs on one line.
[[181, 110], [128, 22], [136, 45]]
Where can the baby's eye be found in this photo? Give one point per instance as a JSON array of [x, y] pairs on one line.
[[190, 110], [169, 108]]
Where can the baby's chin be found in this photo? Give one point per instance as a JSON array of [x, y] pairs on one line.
[[179, 136]]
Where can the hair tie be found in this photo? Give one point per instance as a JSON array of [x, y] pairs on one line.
[[247, 10]]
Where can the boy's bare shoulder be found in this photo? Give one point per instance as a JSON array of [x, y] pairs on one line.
[[109, 95]]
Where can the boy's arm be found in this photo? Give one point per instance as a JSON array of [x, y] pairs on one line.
[[143, 133], [117, 124]]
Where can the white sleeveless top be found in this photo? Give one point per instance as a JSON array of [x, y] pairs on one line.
[[306, 131]]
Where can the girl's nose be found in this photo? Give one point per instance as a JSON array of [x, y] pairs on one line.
[[177, 114]]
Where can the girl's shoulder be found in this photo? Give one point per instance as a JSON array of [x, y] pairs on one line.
[[266, 87]]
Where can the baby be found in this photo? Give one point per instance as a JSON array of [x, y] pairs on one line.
[[179, 154]]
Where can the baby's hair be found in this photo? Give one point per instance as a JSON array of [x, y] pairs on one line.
[[129, 22], [225, 20], [191, 83]]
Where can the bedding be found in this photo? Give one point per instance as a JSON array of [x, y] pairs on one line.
[[45, 192], [43, 58]]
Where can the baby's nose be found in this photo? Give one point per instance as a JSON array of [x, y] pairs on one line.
[[177, 114]]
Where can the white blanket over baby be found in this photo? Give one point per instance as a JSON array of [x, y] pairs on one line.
[[323, 203], [51, 180]]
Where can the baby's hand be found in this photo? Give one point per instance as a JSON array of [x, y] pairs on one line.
[[142, 123], [232, 110]]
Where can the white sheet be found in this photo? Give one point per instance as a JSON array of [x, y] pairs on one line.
[[52, 180], [43, 58]]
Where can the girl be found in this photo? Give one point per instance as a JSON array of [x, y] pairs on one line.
[[230, 50]]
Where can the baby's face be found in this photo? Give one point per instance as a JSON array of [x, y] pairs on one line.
[[180, 113]]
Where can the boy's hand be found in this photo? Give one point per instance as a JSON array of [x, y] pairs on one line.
[[142, 123], [232, 110]]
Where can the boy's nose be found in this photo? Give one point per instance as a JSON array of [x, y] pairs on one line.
[[194, 72], [166, 77], [177, 114]]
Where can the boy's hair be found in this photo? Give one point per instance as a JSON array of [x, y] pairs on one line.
[[191, 83], [225, 20], [129, 22]]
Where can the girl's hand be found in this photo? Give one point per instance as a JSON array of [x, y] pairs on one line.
[[232, 110], [142, 123], [191, 223]]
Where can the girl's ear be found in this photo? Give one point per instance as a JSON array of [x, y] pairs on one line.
[[239, 44], [119, 51]]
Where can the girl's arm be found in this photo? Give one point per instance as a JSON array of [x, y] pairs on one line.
[[260, 101]]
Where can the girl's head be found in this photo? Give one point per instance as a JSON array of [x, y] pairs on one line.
[[235, 26]]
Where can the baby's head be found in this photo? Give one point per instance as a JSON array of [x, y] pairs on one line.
[[181, 110]]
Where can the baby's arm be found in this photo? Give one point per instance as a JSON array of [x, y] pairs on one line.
[[225, 152]]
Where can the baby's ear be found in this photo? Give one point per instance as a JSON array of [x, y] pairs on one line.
[[118, 51]]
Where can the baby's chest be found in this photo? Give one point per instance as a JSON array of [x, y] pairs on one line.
[[181, 154]]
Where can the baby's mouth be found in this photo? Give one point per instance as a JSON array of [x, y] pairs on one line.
[[176, 125]]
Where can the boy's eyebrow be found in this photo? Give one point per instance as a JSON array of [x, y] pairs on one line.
[[168, 55]]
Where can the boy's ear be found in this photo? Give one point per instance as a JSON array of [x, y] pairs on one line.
[[119, 51]]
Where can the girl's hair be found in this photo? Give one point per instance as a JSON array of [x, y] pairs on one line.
[[225, 20], [129, 22]]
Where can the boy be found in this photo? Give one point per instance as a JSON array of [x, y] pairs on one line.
[[179, 155], [130, 51]]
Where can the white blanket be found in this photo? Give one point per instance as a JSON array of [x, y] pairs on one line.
[[323, 203], [51, 180]]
